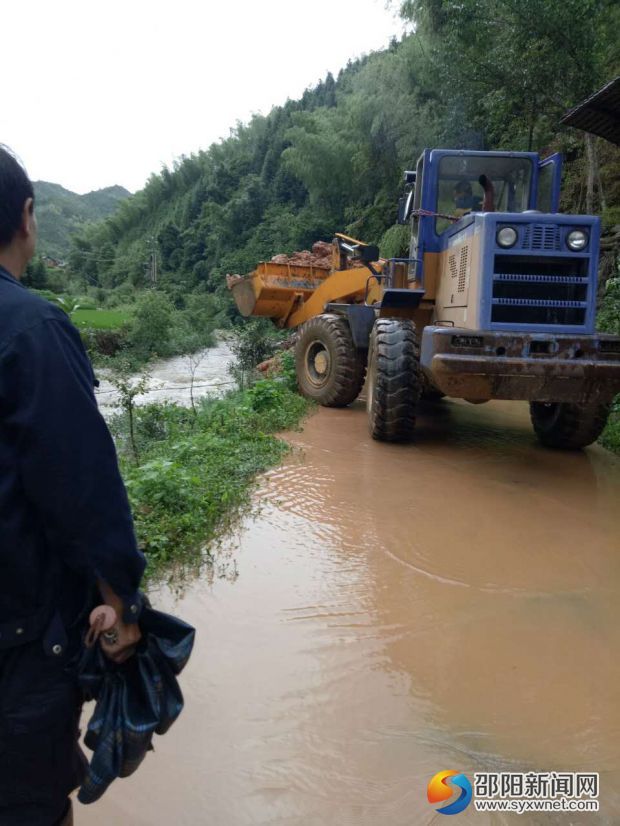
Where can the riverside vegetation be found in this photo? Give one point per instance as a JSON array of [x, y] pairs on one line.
[[189, 471]]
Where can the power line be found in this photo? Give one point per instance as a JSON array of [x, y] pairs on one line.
[[175, 387]]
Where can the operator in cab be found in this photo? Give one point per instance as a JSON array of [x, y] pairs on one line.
[[465, 201]]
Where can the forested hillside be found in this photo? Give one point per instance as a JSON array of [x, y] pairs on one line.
[[61, 214], [492, 74]]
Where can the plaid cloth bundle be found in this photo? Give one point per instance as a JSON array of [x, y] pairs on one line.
[[135, 700]]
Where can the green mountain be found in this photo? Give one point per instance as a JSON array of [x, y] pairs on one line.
[[333, 160], [61, 214]]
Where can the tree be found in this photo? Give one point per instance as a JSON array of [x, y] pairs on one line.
[[516, 64], [36, 275]]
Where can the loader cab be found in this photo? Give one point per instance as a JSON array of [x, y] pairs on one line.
[[451, 185], [481, 183]]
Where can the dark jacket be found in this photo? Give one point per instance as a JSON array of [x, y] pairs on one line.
[[64, 516]]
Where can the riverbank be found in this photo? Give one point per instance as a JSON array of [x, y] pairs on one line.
[[190, 471]]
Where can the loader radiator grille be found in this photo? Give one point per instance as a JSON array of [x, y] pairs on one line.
[[458, 269], [548, 291], [463, 269], [541, 237]]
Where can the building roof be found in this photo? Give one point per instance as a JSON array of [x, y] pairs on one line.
[[599, 114]]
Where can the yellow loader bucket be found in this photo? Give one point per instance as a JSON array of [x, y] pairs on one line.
[[273, 290]]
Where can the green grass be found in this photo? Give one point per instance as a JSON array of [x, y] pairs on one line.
[[100, 319], [197, 470]]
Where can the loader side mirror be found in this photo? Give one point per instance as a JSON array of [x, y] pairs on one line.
[[405, 205]]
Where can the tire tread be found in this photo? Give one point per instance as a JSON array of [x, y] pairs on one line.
[[398, 383], [349, 368]]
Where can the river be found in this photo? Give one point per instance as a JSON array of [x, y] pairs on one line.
[[170, 379], [399, 610]]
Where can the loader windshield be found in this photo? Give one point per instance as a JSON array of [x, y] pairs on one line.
[[481, 183]]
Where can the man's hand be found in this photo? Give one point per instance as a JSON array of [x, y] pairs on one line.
[[128, 634]]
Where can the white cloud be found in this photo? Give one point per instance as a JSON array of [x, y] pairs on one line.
[[98, 93]]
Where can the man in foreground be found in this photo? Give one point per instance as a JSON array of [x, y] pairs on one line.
[[66, 530]]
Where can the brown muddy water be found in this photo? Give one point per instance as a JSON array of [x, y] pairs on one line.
[[399, 610], [170, 380]]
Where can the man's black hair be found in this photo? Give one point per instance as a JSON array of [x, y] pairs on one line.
[[15, 189]]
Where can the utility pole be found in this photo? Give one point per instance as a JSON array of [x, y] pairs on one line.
[[152, 268]]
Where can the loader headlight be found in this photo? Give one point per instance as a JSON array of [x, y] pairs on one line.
[[577, 240], [506, 237]]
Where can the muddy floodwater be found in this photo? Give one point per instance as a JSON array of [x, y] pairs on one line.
[[399, 610], [170, 380]]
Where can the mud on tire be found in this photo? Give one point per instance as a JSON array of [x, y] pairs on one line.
[[568, 426], [329, 368], [394, 382]]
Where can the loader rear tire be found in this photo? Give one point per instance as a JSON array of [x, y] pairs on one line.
[[567, 426], [330, 369], [394, 383]]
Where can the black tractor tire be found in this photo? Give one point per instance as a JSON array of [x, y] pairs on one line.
[[568, 426], [329, 368], [394, 383]]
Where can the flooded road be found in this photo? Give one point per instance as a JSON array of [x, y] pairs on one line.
[[399, 610]]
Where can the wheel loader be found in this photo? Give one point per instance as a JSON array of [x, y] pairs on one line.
[[496, 300]]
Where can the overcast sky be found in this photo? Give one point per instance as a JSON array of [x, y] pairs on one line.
[[99, 93]]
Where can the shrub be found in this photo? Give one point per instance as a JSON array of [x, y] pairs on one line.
[[251, 343], [288, 371], [609, 314], [150, 334], [103, 342]]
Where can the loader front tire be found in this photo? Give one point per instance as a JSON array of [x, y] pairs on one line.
[[567, 426], [329, 368], [394, 382]]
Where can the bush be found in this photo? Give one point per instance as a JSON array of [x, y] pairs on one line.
[[251, 343], [150, 333], [611, 435], [609, 313], [120, 296], [157, 422], [103, 342], [395, 242], [610, 217], [287, 369]]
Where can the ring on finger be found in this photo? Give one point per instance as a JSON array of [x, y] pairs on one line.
[[111, 636]]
